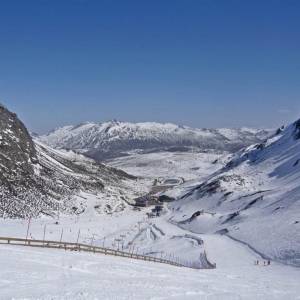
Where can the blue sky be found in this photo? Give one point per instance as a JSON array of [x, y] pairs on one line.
[[203, 63]]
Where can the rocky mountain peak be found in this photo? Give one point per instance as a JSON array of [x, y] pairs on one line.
[[17, 151]]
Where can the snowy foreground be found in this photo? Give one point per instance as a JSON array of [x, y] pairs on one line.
[[29, 273], [54, 274], [253, 199]]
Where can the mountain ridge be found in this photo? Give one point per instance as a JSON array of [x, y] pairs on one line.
[[36, 179], [253, 199], [114, 138]]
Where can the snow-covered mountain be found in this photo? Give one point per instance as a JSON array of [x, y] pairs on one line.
[[251, 196], [36, 179], [114, 139], [255, 198]]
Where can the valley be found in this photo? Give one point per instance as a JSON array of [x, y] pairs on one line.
[[215, 211], [149, 150]]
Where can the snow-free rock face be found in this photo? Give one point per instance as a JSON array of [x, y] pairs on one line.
[[35, 179], [255, 198], [17, 151], [114, 139]]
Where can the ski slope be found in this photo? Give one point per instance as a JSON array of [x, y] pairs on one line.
[[254, 198], [54, 274], [28, 273]]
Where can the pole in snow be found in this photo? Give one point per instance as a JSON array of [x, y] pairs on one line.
[[61, 235], [78, 236], [92, 240], [44, 234], [28, 226], [58, 211]]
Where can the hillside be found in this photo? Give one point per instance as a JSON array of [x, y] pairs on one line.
[[114, 139], [255, 198], [35, 179], [251, 196]]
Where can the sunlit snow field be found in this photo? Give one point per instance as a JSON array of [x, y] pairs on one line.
[[54, 274], [28, 273]]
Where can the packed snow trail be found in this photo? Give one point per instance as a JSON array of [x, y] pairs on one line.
[[228, 253], [52, 274], [68, 246], [220, 249]]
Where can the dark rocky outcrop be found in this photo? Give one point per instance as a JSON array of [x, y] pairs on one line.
[[17, 151], [297, 129], [35, 179]]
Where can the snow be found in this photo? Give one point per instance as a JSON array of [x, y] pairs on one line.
[[188, 165], [255, 198], [54, 274], [110, 139], [116, 192], [32, 273], [251, 198]]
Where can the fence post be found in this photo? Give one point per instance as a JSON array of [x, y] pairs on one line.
[[78, 237], [61, 235], [28, 226], [44, 235], [170, 259], [92, 241]]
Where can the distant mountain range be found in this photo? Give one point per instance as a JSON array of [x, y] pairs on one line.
[[254, 198], [113, 139]]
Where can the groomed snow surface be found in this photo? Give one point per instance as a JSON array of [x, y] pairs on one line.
[[54, 274], [33, 273]]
